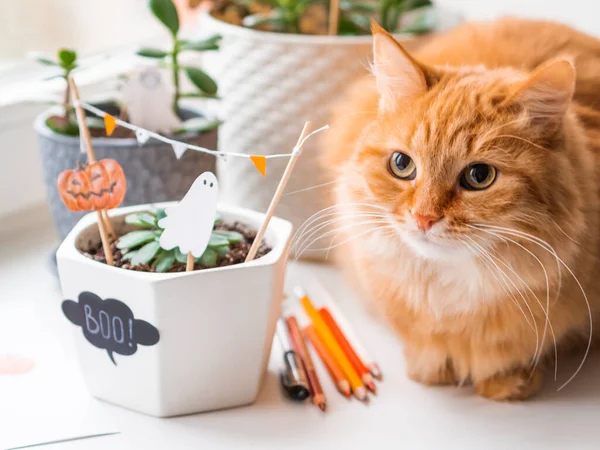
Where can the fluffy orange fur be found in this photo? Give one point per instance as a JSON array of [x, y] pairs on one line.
[[485, 293]]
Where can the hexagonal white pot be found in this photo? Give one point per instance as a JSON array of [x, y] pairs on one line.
[[215, 326]]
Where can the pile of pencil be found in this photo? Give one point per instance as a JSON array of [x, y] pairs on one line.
[[336, 343]]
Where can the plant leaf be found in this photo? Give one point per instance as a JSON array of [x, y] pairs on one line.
[[141, 219], [423, 22], [199, 95], [209, 258], [95, 122], [217, 241], [164, 261], [62, 126], [127, 256], [233, 237], [222, 251], [198, 124], [218, 218], [135, 239], [273, 17], [152, 53], [44, 60], [145, 254], [166, 12], [201, 80], [182, 258], [67, 58], [211, 43]]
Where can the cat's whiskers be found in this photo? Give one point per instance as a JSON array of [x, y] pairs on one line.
[[305, 247], [506, 288], [520, 279], [308, 233], [547, 295], [331, 210], [516, 233], [317, 186]]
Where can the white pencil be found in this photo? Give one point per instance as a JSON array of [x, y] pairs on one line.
[[349, 332]]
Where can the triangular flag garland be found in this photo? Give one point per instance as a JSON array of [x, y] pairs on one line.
[[260, 162], [110, 124], [179, 148], [142, 136]]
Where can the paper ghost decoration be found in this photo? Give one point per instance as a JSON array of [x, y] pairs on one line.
[[189, 224], [149, 101]]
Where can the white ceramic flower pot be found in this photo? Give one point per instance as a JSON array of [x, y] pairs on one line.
[[270, 84], [181, 342]]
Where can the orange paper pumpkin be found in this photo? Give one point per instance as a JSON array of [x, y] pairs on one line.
[[100, 185]]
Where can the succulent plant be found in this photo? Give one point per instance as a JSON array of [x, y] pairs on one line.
[[143, 247], [166, 12]]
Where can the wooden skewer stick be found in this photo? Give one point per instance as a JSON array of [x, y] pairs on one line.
[[190, 262], [334, 15], [91, 156], [108, 224], [278, 193]]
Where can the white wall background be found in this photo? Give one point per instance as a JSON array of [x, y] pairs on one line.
[[115, 22]]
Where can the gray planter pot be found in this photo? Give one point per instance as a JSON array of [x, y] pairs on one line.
[[153, 172]]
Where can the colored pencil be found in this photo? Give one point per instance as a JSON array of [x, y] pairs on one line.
[[351, 335], [358, 365], [301, 349], [358, 388], [335, 372]]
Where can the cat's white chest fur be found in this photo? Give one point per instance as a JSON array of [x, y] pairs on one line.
[[444, 287]]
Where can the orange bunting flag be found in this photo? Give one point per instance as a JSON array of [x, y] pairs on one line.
[[260, 162], [110, 124]]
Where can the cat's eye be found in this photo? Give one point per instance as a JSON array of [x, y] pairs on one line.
[[478, 176], [402, 166]]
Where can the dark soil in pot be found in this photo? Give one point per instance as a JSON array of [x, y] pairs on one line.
[[236, 255]]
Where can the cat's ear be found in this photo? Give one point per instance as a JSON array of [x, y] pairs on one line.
[[397, 74], [548, 91]]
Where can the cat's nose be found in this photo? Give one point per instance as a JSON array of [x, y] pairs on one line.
[[425, 222]]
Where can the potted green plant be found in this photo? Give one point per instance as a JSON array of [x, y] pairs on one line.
[[277, 66], [155, 338], [153, 171]]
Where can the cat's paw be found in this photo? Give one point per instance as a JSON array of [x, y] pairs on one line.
[[517, 385], [429, 366]]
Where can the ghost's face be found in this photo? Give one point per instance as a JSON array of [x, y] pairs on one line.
[[208, 181]]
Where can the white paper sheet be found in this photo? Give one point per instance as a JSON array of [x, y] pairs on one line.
[[50, 402]]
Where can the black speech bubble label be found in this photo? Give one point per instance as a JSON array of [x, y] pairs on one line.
[[109, 324]]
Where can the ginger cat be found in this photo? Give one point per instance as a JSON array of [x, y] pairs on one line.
[[467, 190]]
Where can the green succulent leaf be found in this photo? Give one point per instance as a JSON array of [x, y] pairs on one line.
[[198, 125], [199, 95], [67, 58], [95, 122], [275, 18], [218, 218], [160, 214], [164, 261], [145, 254], [233, 237], [211, 43], [141, 219], [209, 258], [222, 251], [201, 80], [180, 257], [135, 239], [127, 256], [421, 23], [217, 241], [166, 12], [61, 125], [152, 53]]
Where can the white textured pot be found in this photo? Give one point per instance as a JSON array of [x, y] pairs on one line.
[[173, 343], [271, 83]]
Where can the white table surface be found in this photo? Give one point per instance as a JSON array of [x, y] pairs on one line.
[[403, 415]]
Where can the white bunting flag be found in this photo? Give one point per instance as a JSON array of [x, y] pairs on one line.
[[142, 136], [179, 148]]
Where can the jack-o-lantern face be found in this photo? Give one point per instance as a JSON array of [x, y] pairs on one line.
[[100, 185]]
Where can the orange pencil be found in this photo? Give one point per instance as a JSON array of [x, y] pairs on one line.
[[358, 365], [358, 388], [301, 349], [332, 367]]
